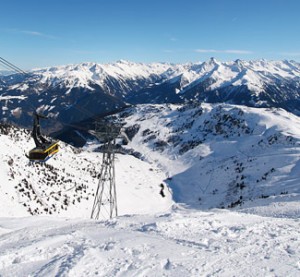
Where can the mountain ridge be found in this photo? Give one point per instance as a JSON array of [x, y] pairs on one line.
[[73, 93]]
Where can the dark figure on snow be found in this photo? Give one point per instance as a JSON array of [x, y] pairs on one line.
[[162, 190]]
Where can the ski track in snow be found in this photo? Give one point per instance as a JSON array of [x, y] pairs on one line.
[[179, 243]]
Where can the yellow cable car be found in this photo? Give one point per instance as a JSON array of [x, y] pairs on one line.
[[45, 148], [42, 154]]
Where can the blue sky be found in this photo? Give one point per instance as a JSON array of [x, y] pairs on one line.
[[38, 33]]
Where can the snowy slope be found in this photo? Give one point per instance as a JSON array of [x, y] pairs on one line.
[[221, 155], [65, 185], [178, 243]]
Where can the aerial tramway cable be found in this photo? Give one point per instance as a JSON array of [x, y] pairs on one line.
[[11, 66], [44, 149]]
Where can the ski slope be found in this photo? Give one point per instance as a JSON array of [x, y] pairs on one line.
[[181, 242]]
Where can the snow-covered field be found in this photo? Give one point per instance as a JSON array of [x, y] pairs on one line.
[[209, 157], [181, 242]]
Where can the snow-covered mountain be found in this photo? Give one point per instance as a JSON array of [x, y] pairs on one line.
[[6, 72], [254, 83], [220, 155], [202, 189], [211, 156], [243, 159], [74, 93]]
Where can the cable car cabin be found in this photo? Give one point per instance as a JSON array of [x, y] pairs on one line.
[[42, 154]]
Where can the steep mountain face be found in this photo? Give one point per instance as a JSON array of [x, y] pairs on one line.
[[62, 104], [220, 155], [73, 93]]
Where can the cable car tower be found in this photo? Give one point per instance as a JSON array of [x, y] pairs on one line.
[[105, 202]]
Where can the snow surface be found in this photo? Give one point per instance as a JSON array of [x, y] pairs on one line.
[[180, 242], [12, 97]]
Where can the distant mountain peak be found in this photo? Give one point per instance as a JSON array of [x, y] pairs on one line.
[[213, 60], [257, 83]]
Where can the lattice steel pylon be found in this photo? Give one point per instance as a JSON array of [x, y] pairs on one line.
[[105, 202]]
